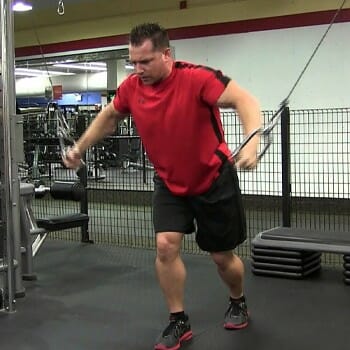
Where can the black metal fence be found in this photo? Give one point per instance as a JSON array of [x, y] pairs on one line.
[[120, 181]]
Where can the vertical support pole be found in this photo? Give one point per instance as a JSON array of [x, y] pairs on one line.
[[143, 154], [82, 173], [8, 181], [286, 185]]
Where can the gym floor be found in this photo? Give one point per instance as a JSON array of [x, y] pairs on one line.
[[94, 297]]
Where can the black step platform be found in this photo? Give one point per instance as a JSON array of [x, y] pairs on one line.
[[261, 249], [302, 260], [300, 268], [286, 274], [283, 262], [303, 239], [346, 266], [296, 253]]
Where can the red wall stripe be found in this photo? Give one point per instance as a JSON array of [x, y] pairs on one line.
[[244, 26]]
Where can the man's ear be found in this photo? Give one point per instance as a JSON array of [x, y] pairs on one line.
[[167, 53]]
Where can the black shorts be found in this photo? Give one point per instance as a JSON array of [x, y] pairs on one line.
[[216, 216]]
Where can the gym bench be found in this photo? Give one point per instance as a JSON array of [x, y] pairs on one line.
[[34, 231]]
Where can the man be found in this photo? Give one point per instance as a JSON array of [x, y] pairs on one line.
[[175, 106]]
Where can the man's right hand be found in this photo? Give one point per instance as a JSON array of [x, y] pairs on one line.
[[72, 158]]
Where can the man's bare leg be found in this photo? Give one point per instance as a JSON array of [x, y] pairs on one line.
[[170, 269]]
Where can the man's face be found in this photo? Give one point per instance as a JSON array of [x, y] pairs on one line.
[[150, 65]]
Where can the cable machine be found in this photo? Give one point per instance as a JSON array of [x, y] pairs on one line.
[[9, 184]]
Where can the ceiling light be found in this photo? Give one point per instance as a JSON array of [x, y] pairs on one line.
[[22, 6], [38, 73], [84, 66]]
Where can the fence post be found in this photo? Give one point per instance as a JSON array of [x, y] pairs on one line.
[[286, 185]]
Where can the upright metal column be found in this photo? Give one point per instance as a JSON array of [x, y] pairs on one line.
[[286, 185], [3, 284], [17, 151], [9, 178]]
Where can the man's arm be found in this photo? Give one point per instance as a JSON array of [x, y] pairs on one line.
[[103, 125], [248, 109]]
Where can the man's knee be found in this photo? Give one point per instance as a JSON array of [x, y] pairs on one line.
[[168, 245], [223, 260]]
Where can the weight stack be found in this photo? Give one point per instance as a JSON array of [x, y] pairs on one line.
[[280, 262], [346, 266]]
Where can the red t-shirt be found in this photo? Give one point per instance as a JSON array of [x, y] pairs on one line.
[[179, 124]]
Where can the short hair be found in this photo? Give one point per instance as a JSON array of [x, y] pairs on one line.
[[152, 31]]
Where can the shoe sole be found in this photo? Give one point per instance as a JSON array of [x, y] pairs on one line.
[[185, 337], [232, 326], [235, 326]]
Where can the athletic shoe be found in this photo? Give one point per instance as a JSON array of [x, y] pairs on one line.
[[176, 332], [236, 316]]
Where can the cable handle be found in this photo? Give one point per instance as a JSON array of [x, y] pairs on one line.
[[65, 149], [264, 132], [64, 135]]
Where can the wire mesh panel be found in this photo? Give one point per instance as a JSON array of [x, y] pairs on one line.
[[320, 153], [265, 180], [320, 168], [121, 217], [261, 187], [120, 182]]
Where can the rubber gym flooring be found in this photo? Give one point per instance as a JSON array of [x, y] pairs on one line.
[[93, 297]]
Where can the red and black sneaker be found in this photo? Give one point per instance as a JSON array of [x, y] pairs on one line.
[[174, 334], [236, 316]]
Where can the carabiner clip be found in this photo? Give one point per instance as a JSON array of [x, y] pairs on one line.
[[60, 8]]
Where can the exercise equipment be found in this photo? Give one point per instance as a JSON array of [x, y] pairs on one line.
[[62, 190], [9, 152], [346, 266], [284, 262], [304, 245], [65, 190], [32, 236], [34, 231]]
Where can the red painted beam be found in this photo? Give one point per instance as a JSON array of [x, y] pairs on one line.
[[244, 26]]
